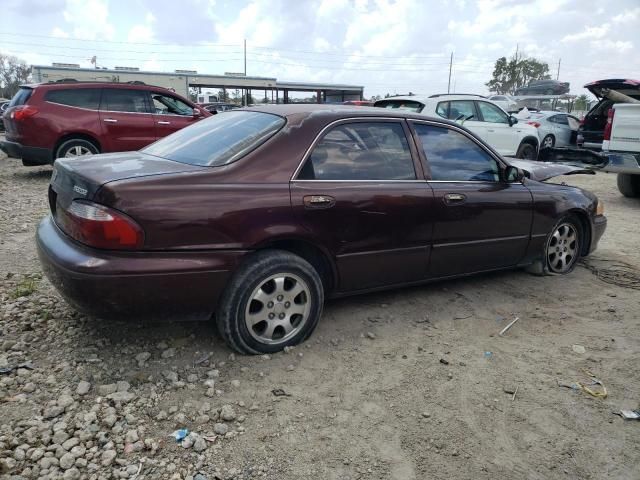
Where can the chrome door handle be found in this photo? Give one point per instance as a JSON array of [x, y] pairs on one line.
[[454, 198], [318, 201], [164, 123], [111, 120]]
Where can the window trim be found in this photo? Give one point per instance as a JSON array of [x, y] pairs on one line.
[[501, 163], [476, 110], [413, 150]]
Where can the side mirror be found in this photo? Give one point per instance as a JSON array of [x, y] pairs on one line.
[[512, 120], [513, 174], [196, 113]]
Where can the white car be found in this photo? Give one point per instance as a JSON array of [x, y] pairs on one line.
[[500, 130], [507, 103]]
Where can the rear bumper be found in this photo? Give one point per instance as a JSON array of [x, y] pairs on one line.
[[604, 161], [134, 285], [30, 156]]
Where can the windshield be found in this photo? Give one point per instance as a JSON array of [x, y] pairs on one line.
[[408, 105], [218, 140]]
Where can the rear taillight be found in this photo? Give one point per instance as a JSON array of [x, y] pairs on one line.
[[22, 112], [99, 226], [607, 127], [534, 124]]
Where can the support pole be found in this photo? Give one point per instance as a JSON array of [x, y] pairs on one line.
[[450, 66]]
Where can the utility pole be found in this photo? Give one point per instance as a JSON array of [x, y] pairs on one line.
[[450, 65], [558, 74], [245, 101]]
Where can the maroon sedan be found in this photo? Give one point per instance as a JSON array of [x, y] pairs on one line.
[[254, 217]]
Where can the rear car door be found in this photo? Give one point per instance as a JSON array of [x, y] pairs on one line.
[[500, 134], [561, 129], [361, 192], [127, 123], [170, 114], [482, 222]]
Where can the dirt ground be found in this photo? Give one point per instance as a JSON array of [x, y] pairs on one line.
[[400, 385]]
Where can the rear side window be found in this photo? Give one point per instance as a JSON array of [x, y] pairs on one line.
[[78, 97], [121, 100], [454, 157], [561, 119], [218, 140], [21, 97], [408, 105], [361, 151]]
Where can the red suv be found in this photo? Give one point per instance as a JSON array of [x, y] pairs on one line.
[[53, 120]]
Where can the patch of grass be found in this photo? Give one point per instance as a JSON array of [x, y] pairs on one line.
[[26, 286]]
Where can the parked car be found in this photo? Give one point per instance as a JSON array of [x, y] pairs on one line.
[[591, 132], [54, 120], [506, 102], [484, 118], [544, 87], [217, 107], [256, 216], [555, 129]]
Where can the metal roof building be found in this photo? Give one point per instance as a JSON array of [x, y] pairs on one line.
[[181, 80]]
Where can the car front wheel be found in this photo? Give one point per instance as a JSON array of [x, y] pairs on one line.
[[563, 246], [526, 152], [274, 300]]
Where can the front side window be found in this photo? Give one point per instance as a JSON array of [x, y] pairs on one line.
[[76, 97], [218, 140], [166, 105], [124, 100], [454, 157], [492, 114], [361, 151]]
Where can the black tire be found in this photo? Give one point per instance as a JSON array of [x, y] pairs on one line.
[[551, 139], [629, 185], [549, 92], [526, 151], [551, 263], [80, 144], [236, 300]]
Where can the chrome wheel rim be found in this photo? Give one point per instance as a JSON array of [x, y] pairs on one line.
[[562, 248], [548, 142], [77, 151], [278, 308]]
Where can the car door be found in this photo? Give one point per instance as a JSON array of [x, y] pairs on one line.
[[461, 110], [503, 137], [482, 222], [170, 114], [127, 123], [361, 192], [561, 129]]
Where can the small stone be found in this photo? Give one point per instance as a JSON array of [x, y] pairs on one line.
[[168, 353], [83, 388], [578, 349], [37, 454], [611, 309], [170, 375], [143, 357], [107, 457], [290, 368], [69, 444], [122, 397], [371, 335], [162, 346], [65, 401], [29, 387], [215, 373], [131, 436], [200, 444], [426, 414], [60, 436], [235, 383], [109, 420], [71, 474], [52, 412], [200, 476], [227, 413], [104, 390], [187, 442], [192, 378], [288, 349], [19, 454], [67, 461], [220, 429], [122, 386], [211, 392]]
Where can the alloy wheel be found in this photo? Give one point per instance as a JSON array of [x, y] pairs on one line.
[[548, 142], [562, 248], [278, 308], [77, 151]]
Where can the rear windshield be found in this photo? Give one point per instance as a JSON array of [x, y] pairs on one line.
[[408, 105], [218, 140], [21, 97]]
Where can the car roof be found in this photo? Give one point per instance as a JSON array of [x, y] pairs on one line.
[[61, 85], [432, 98]]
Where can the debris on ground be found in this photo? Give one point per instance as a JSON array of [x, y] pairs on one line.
[[593, 386], [180, 434], [444, 361], [279, 392], [511, 324], [578, 349], [630, 414]]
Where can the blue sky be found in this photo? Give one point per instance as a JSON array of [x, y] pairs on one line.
[[392, 46]]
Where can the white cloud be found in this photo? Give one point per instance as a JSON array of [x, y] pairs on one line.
[[143, 32], [59, 33], [89, 19], [589, 33], [628, 16]]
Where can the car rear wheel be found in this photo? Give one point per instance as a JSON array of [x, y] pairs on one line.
[[629, 185], [548, 142], [526, 152], [563, 246], [274, 300], [76, 147]]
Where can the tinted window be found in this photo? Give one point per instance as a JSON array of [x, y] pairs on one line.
[[361, 151], [492, 114], [408, 105], [21, 97], [561, 119], [79, 97], [442, 109], [218, 140], [167, 105], [121, 100], [452, 156], [459, 108]]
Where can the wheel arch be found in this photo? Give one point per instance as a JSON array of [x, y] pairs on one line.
[[74, 135], [583, 218], [530, 140]]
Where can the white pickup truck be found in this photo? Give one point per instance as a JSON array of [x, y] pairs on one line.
[[621, 147]]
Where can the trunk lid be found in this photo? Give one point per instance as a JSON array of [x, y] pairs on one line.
[[628, 87], [81, 178]]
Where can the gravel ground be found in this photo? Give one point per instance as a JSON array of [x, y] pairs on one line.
[[403, 385]]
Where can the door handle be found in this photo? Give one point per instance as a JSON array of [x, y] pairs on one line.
[[490, 131], [111, 120], [318, 201], [164, 123], [454, 198]]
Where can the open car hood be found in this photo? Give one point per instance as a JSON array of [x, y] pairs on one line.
[[541, 171]]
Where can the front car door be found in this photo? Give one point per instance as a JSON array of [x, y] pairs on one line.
[[361, 190], [127, 123], [482, 222], [500, 134], [170, 114]]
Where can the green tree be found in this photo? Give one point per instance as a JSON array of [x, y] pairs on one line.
[[509, 75], [581, 103], [13, 73]]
